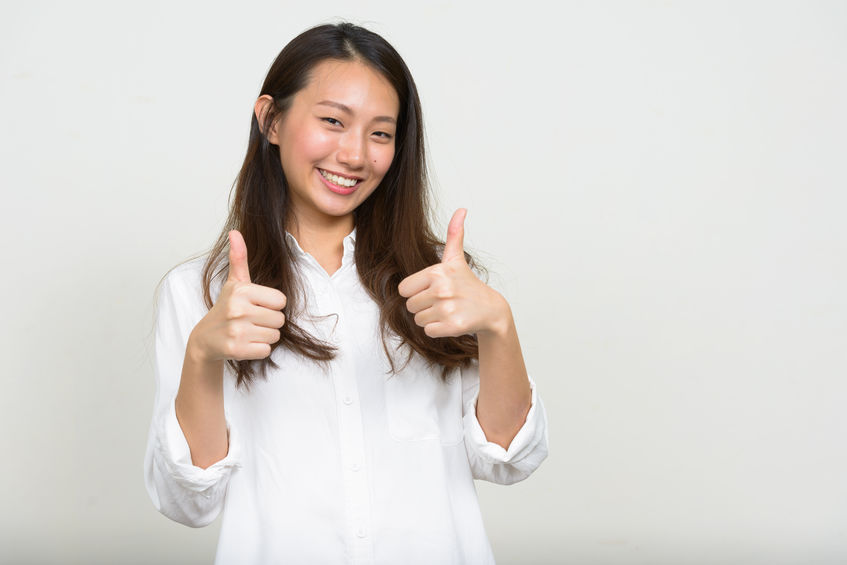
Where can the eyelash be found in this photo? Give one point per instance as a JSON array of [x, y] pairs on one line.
[[334, 122]]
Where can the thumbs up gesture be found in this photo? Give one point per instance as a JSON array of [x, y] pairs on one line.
[[447, 299], [245, 320]]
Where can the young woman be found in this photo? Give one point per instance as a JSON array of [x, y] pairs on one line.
[[336, 378]]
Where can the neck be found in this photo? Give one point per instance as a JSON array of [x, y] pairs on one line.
[[323, 238]]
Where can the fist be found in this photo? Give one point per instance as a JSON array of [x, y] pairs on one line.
[[245, 320], [447, 299]]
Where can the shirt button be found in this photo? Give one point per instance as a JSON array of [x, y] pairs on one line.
[[348, 400], [360, 532]]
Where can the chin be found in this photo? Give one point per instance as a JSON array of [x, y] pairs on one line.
[[337, 211]]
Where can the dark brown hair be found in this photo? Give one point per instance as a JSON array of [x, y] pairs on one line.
[[393, 234]]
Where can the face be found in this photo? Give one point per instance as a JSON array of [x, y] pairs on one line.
[[336, 141]]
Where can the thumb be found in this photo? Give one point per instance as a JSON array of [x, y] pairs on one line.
[[454, 246], [238, 270]]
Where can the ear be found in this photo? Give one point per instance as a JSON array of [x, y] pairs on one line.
[[261, 109]]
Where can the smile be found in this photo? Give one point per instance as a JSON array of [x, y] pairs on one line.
[[346, 182]]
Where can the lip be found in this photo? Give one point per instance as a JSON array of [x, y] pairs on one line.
[[344, 190]]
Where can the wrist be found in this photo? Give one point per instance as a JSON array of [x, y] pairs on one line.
[[500, 321], [200, 375], [196, 354]]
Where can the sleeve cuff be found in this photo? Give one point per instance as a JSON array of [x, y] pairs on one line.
[[176, 454], [524, 442]]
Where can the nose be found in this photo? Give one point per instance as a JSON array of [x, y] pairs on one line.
[[352, 150]]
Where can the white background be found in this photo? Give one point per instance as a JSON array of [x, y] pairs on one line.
[[659, 188]]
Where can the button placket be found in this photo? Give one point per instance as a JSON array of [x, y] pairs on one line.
[[351, 433]]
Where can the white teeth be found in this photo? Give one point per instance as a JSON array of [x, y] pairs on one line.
[[340, 181]]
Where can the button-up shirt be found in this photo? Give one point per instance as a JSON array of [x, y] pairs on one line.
[[343, 463]]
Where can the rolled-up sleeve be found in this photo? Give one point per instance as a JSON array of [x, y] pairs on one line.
[[179, 489], [490, 461]]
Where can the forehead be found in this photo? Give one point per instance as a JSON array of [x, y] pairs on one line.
[[353, 84]]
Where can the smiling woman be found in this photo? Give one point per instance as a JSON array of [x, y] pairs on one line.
[[338, 391], [336, 142]]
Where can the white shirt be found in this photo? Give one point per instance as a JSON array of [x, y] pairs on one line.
[[348, 465]]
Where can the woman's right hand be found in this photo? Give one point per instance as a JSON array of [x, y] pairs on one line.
[[245, 320]]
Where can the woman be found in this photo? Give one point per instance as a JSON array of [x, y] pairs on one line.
[[337, 393]]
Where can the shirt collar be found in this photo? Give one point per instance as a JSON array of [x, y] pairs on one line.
[[349, 244], [292, 243]]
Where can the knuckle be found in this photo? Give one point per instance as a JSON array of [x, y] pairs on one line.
[[234, 311], [234, 332], [443, 291], [448, 308]]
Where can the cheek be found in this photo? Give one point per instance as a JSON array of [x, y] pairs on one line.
[[382, 160], [313, 145], [305, 144]]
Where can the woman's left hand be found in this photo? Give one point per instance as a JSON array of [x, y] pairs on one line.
[[447, 299]]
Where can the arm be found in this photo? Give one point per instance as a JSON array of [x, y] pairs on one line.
[[242, 324], [448, 299], [504, 419], [179, 489], [504, 392], [490, 461], [191, 452], [199, 407]]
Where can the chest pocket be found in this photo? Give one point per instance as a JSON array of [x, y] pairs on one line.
[[420, 405]]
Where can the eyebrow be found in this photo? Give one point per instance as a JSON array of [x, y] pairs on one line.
[[347, 110]]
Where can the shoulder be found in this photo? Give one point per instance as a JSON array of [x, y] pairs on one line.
[[184, 282], [186, 274]]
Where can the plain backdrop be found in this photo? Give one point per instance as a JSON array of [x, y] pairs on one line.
[[658, 188]]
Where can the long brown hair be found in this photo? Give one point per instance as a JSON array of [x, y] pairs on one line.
[[394, 237]]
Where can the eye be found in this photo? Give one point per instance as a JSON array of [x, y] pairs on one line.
[[382, 134], [331, 121]]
